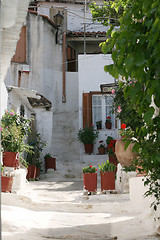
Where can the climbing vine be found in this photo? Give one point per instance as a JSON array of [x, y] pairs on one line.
[[135, 48]]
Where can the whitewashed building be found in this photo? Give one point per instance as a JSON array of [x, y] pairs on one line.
[[50, 76]]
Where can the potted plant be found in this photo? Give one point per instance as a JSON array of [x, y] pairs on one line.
[[90, 179], [111, 149], [34, 157], [101, 148], [99, 124], [108, 123], [50, 162], [6, 181], [14, 131], [107, 171], [87, 136], [124, 154]]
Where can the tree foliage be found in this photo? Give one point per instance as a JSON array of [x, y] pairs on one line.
[[135, 48]]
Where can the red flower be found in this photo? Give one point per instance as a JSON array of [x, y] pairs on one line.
[[101, 141], [109, 117], [96, 169], [90, 166], [123, 126]]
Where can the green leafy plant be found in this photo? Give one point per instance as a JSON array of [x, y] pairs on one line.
[[87, 135], [107, 167], [37, 143], [99, 122], [89, 169], [48, 155], [135, 54], [131, 168], [14, 132], [23, 161]]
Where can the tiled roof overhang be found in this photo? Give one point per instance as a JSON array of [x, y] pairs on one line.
[[87, 34]]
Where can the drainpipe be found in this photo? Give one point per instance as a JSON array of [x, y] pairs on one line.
[[19, 78], [64, 68]]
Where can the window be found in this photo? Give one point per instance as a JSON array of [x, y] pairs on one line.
[[101, 108]]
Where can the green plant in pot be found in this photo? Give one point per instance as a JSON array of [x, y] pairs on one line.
[[99, 124], [110, 145], [108, 122], [101, 148], [37, 143], [111, 149], [90, 179], [107, 171], [14, 132], [50, 161], [87, 136]]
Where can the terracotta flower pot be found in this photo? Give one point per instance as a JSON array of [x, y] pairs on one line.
[[50, 163], [31, 172], [108, 125], [11, 159], [125, 157], [101, 150], [99, 126], [37, 172], [88, 148], [107, 181], [90, 182], [6, 183]]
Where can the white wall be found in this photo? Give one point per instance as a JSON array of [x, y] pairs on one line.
[[65, 120], [75, 16], [45, 75], [91, 75]]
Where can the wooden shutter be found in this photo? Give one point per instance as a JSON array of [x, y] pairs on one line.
[[87, 109], [20, 54]]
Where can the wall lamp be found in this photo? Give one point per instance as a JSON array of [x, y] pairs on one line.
[[106, 89]]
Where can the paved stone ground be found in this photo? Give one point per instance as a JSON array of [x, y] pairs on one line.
[[53, 209]]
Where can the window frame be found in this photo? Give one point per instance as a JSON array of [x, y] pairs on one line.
[[103, 110]]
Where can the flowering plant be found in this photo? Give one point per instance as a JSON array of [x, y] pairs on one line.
[[89, 169], [14, 130], [87, 135], [101, 144], [110, 145], [108, 119]]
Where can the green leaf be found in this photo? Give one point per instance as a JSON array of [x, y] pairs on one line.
[[139, 59], [126, 144], [112, 70], [136, 147], [104, 47], [148, 115]]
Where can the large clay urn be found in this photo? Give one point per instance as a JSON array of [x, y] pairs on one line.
[[125, 157]]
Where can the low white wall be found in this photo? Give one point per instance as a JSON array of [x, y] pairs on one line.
[[122, 179], [137, 190]]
